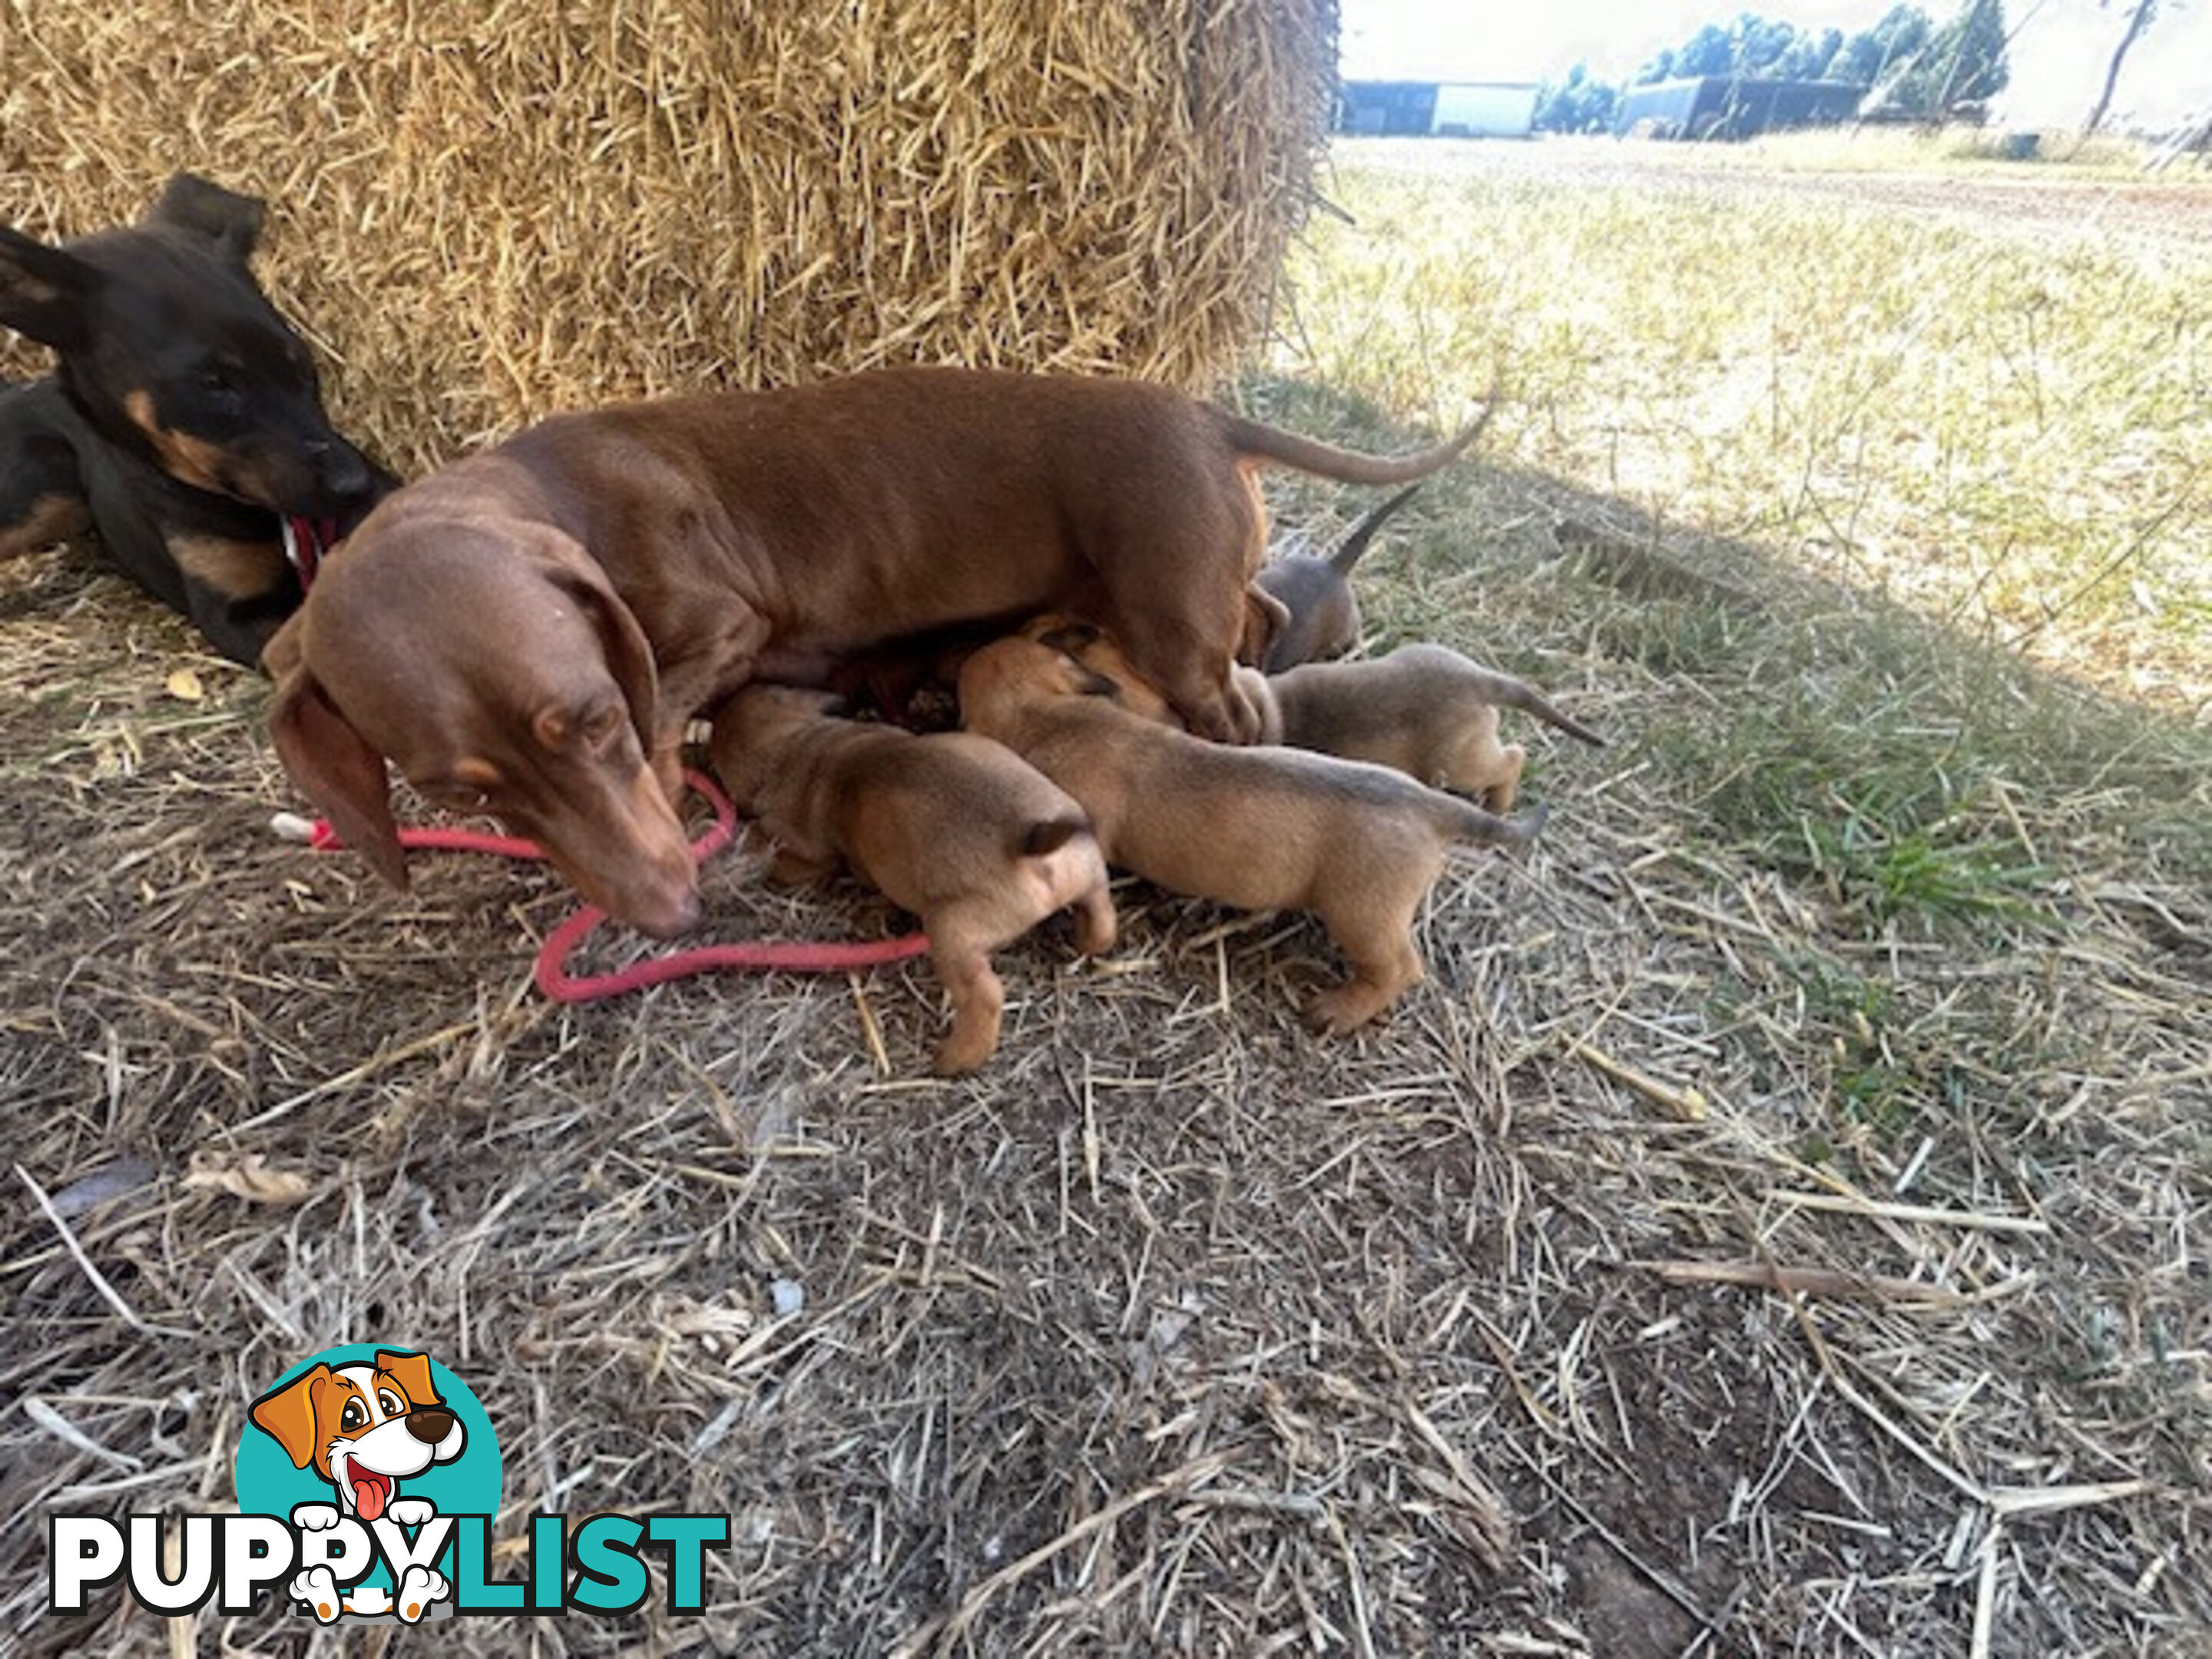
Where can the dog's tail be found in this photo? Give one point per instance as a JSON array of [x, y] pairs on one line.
[[1049, 836], [1469, 822], [1506, 692], [1348, 551], [1260, 442]]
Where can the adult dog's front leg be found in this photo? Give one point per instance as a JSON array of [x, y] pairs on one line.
[[694, 678]]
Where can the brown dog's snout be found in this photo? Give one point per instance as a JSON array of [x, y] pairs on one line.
[[632, 859], [430, 1424], [678, 917], [662, 901]]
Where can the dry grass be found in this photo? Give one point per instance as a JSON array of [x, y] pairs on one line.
[[507, 208], [1748, 1241], [1988, 403], [1946, 152]]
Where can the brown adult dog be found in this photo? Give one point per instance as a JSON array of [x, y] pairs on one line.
[[526, 632], [955, 828], [1264, 829], [1423, 710], [1323, 613]]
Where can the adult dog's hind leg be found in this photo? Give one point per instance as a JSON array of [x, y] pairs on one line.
[[1178, 586]]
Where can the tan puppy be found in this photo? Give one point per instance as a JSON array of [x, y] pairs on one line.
[[1424, 710], [1263, 828], [952, 827], [1316, 591], [1096, 649]]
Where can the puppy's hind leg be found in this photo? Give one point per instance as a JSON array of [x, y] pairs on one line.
[[1505, 779], [1384, 961], [961, 952]]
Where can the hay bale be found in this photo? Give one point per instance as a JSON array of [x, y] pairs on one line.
[[490, 209]]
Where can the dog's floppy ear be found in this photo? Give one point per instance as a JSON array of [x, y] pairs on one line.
[[335, 768], [43, 291], [629, 654], [1070, 637], [413, 1370], [286, 653], [231, 221], [287, 1415], [1265, 619], [1089, 683]]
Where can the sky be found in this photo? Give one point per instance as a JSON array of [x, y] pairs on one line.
[[2058, 54]]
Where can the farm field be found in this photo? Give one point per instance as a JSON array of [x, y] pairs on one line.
[[1778, 1226]]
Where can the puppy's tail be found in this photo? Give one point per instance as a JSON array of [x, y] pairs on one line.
[[1468, 822], [1267, 443], [1507, 692], [1349, 549], [1049, 836]]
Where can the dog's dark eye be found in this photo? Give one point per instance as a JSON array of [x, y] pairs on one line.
[[216, 382], [600, 726], [353, 1416], [392, 1403]]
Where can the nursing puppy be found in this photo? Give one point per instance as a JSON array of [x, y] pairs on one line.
[[1262, 829], [1323, 620], [954, 828], [1424, 710]]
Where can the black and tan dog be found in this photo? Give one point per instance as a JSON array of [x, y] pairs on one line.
[[952, 827], [184, 423], [1265, 829], [1424, 710]]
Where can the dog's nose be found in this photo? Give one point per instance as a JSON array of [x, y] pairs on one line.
[[345, 473], [678, 917], [430, 1424]]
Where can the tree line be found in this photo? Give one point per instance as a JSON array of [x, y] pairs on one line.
[[1916, 66]]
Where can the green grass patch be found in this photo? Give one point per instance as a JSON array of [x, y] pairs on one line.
[[1914, 511], [2010, 434]]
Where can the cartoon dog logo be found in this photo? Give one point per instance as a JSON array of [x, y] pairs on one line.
[[364, 1428]]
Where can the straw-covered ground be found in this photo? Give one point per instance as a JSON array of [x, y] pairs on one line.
[[1778, 1225]]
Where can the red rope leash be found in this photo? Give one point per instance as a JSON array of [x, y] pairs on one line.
[[791, 957], [550, 971]]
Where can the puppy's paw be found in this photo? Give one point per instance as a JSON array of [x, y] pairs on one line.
[[1341, 1010], [1247, 710], [410, 1511], [957, 1055], [316, 1590], [315, 1517], [419, 1588], [1096, 924]]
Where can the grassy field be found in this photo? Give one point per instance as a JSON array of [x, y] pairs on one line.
[[1777, 1226], [1960, 473], [1882, 520]]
